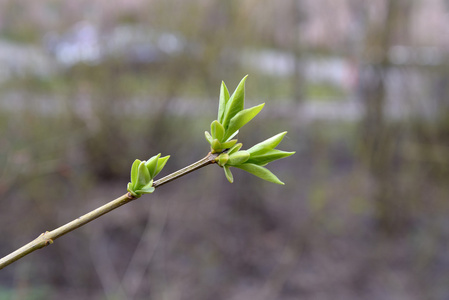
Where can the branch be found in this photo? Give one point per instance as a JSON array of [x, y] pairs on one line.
[[48, 237]]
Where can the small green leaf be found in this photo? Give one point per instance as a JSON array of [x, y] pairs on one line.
[[143, 176], [264, 158], [235, 148], [152, 165], [238, 158], [224, 97], [217, 130], [228, 174], [147, 189], [161, 164], [270, 143], [149, 184], [260, 172], [228, 144], [235, 103], [209, 138], [241, 118], [134, 171]]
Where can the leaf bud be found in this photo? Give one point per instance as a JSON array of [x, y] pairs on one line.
[[223, 159]]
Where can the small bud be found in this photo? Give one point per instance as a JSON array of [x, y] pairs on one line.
[[217, 130], [216, 146], [223, 159]]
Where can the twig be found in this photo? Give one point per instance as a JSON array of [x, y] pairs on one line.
[[49, 237]]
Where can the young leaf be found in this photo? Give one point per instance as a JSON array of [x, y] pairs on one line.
[[134, 171], [209, 138], [217, 130], [228, 174], [143, 176], [152, 165], [261, 172], [161, 164], [264, 158], [130, 189], [228, 144], [224, 97], [270, 143], [235, 103], [241, 118], [147, 190], [238, 158], [235, 148]]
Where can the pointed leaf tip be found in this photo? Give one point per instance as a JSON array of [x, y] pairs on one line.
[[269, 143], [151, 164], [235, 103], [224, 97], [161, 164]]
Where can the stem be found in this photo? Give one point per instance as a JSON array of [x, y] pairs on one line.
[[209, 159], [48, 237]]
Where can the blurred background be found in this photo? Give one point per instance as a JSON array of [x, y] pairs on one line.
[[362, 87]]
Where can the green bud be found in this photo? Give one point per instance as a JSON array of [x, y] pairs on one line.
[[142, 173], [217, 130], [130, 189], [216, 146], [222, 159]]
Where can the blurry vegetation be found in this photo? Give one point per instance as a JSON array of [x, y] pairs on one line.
[[324, 92]]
